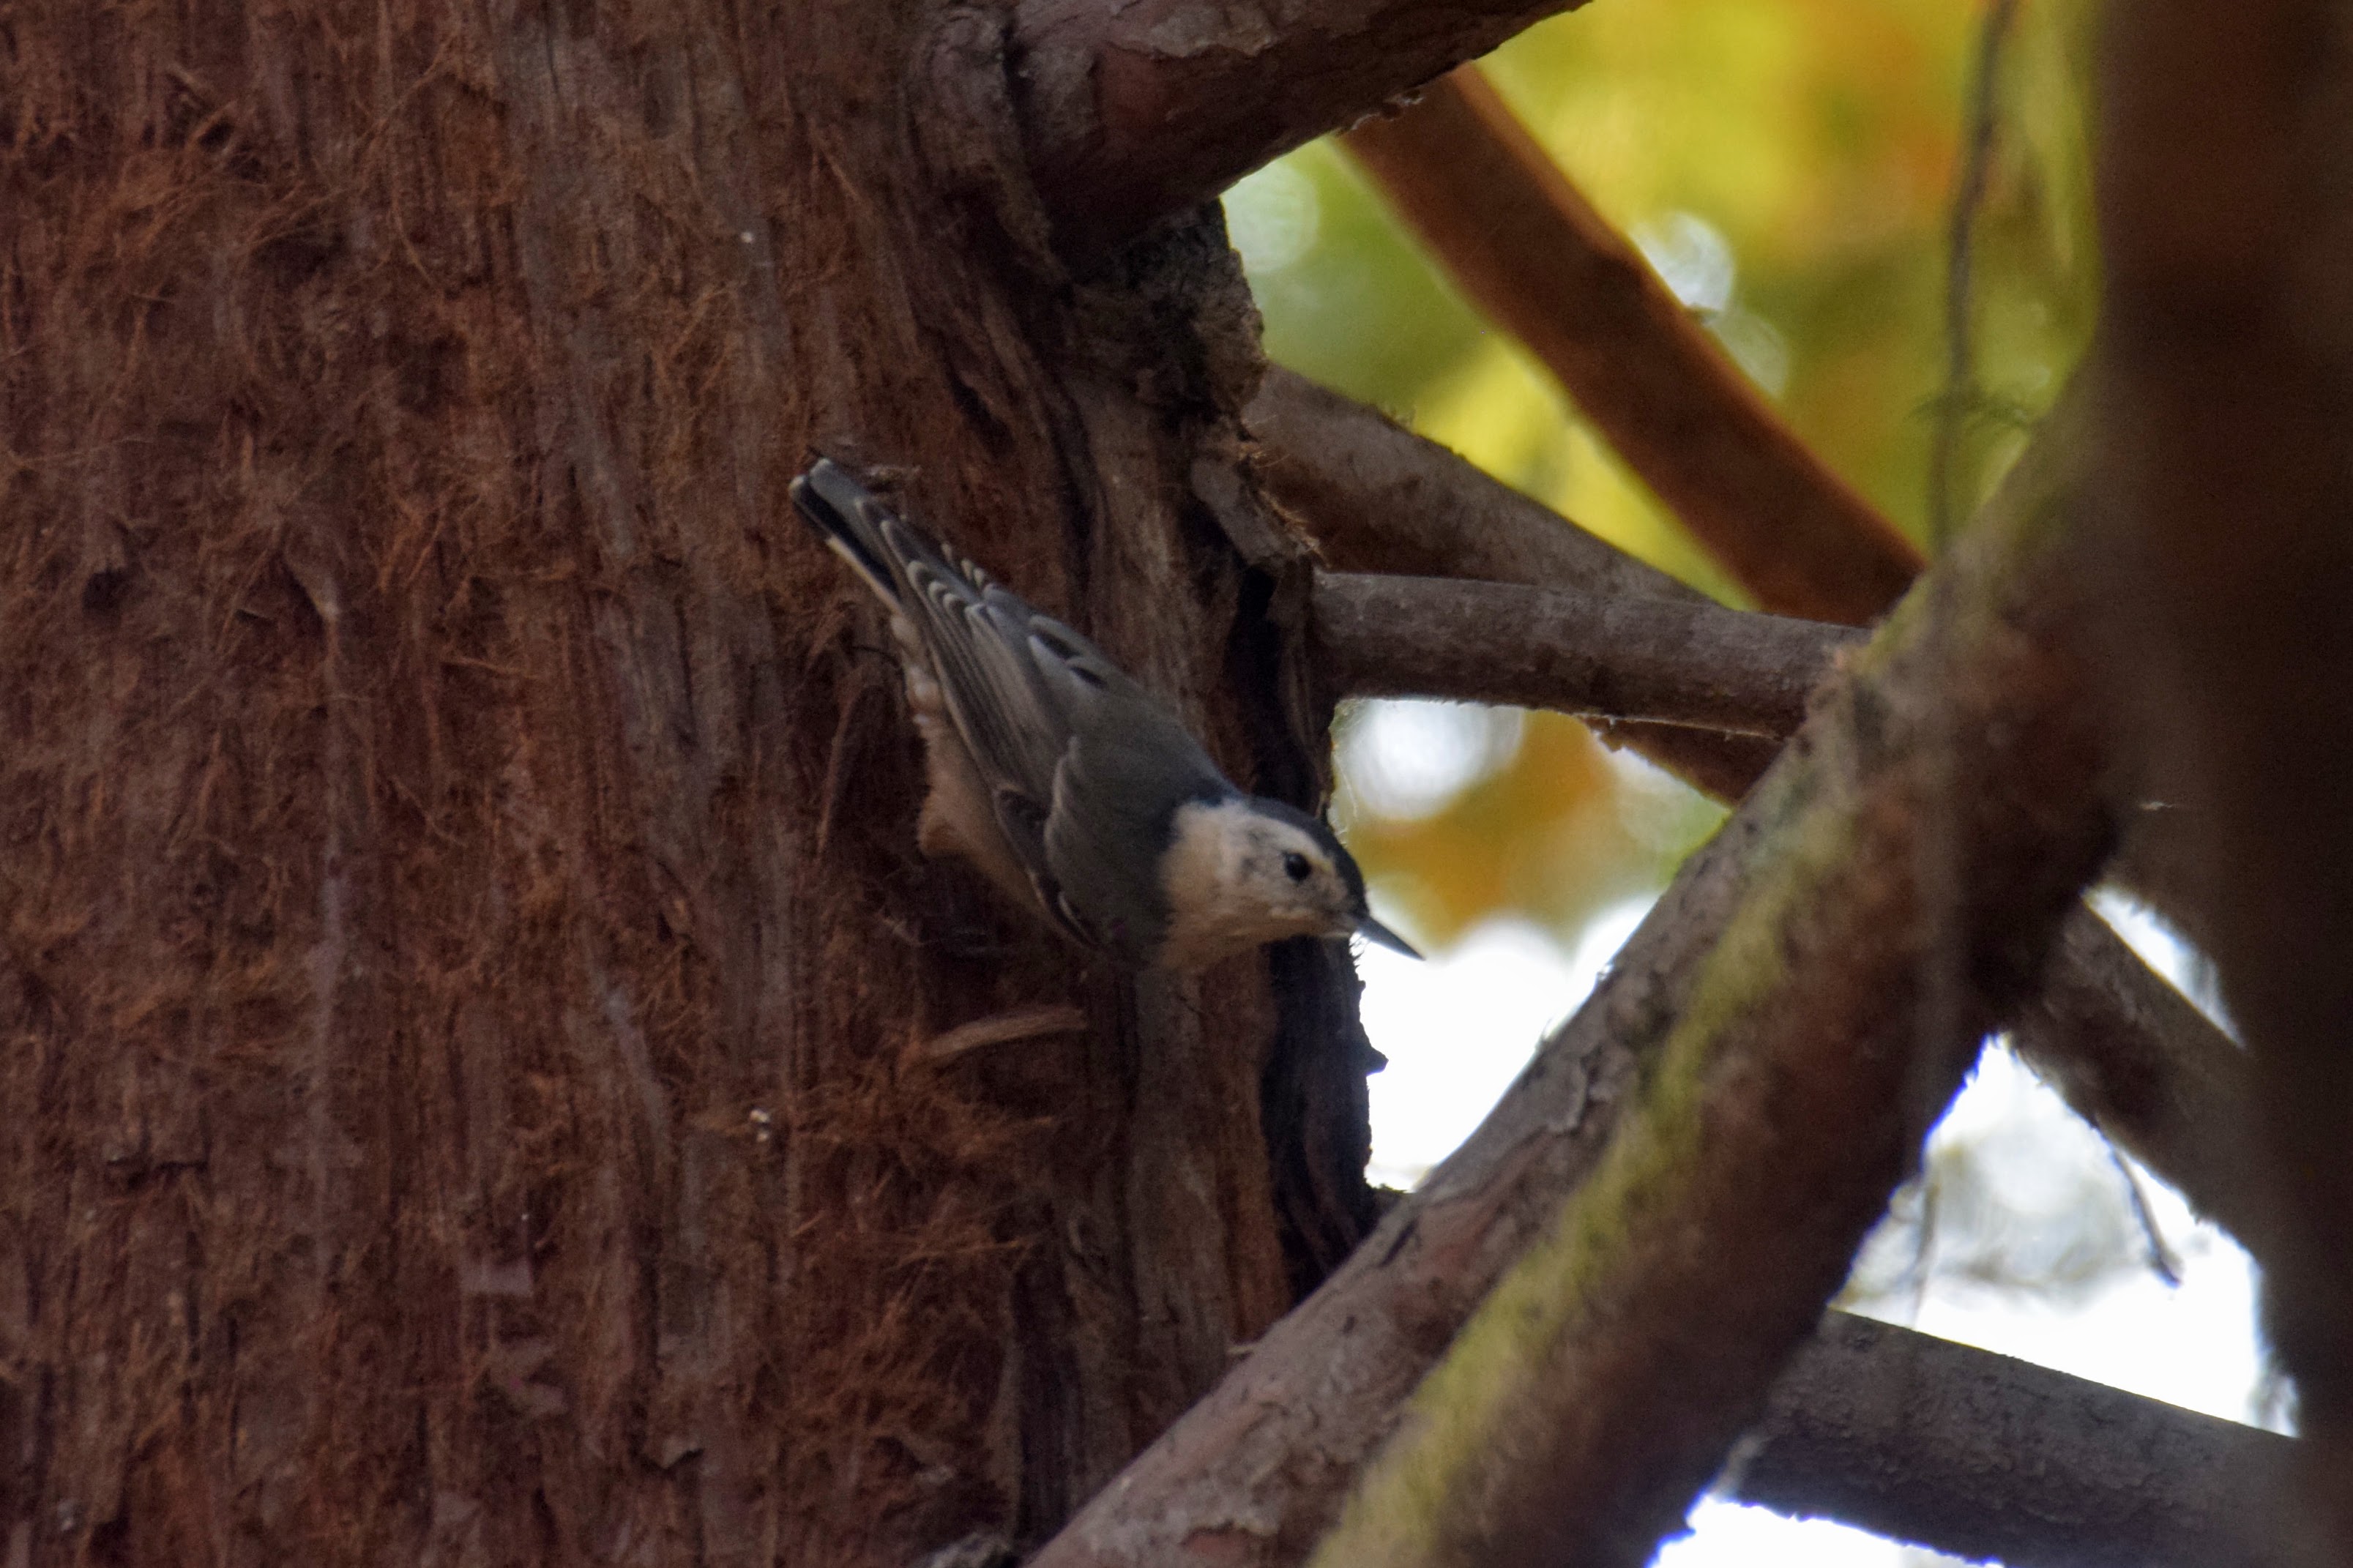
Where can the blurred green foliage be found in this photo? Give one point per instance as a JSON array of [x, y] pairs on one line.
[[1788, 166]]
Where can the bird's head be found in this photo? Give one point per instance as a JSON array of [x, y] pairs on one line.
[[1244, 870]]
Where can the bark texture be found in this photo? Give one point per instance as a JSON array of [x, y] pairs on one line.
[[464, 963]]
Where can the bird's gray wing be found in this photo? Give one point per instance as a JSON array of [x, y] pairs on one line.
[[973, 632], [1129, 765], [1082, 764]]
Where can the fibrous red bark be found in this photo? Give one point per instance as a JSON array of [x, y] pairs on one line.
[[460, 929]]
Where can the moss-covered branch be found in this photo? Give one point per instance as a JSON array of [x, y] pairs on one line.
[[1763, 1005], [1818, 978]]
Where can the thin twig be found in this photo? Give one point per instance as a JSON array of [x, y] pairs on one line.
[[1938, 846], [2161, 1261], [2139, 1062], [1959, 401]]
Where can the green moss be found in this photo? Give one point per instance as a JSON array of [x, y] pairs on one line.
[[1402, 1510]]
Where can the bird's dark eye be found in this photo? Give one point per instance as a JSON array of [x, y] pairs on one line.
[[1295, 866]]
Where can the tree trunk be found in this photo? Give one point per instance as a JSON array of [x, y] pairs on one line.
[[464, 961]]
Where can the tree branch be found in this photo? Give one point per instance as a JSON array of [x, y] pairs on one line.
[[1984, 1456], [2152, 1073], [1134, 110], [1520, 240], [1763, 999], [1375, 497], [1661, 660]]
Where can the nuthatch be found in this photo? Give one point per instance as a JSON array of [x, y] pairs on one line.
[[1066, 782]]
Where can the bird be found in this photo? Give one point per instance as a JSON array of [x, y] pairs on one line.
[[1068, 785]]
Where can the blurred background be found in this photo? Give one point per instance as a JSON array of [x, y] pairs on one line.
[[1788, 166]]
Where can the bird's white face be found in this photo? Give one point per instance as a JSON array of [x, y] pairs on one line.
[[1236, 878]]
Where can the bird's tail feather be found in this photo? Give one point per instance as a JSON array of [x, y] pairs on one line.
[[849, 517]]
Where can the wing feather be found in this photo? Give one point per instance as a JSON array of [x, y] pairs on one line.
[[1083, 766]]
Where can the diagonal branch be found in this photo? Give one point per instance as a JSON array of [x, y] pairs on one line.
[[1377, 498], [1135, 110], [1523, 242], [2137, 1060]]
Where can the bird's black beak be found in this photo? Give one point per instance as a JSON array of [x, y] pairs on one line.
[[1372, 929]]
